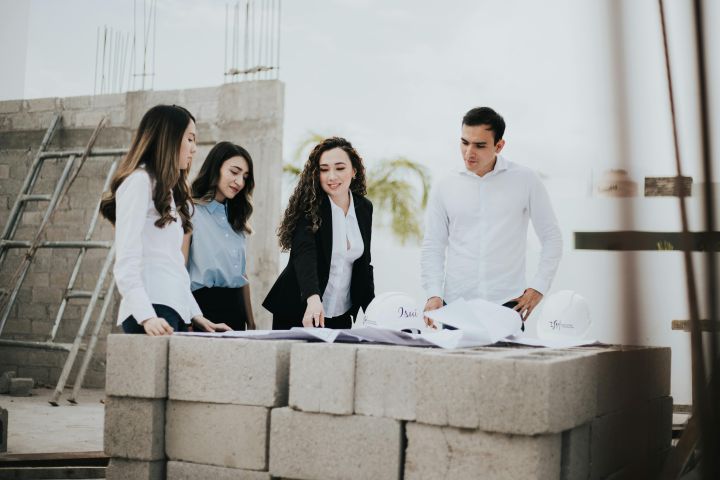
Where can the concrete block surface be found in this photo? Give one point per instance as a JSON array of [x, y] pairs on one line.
[[123, 469], [532, 393], [195, 471], [224, 370], [224, 435], [619, 439], [324, 446], [322, 377], [5, 381], [21, 387], [385, 381], [135, 428], [628, 374], [575, 462], [137, 366], [451, 453]]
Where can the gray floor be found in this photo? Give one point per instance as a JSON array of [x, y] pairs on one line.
[[35, 426]]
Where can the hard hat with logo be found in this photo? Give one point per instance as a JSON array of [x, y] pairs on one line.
[[565, 314], [396, 311]]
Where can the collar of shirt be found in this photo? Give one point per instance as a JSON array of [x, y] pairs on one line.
[[215, 206], [338, 209], [501, 164]]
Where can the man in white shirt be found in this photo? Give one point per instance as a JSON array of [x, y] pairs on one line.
[[476, 227]]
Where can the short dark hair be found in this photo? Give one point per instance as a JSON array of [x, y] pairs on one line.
[[486, 116]]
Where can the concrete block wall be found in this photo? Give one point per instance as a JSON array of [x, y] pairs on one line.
[[261, 409], [248, 113]]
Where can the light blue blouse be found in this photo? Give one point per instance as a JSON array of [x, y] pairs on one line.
[[217, 252]]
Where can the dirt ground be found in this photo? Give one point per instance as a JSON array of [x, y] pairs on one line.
[[35, 426]]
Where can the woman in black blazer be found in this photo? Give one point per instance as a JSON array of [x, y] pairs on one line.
[[327, 228]]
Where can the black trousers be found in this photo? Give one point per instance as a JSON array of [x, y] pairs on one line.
[[340, 322], [223, 305], [130, 325]]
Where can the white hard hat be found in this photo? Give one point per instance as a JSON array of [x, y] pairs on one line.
[[396, 311], [564, 314]]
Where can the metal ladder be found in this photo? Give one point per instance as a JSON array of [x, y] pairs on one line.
[[74, 160]]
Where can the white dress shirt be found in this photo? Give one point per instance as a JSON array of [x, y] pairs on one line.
[[480, 225], [149, 264], [347, 246]]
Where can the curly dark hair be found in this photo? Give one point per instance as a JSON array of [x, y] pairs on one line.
[[308, 194], [204, 187]]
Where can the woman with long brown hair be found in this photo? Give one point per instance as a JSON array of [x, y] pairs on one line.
[[327, 228], [148, 203], [215, 249]]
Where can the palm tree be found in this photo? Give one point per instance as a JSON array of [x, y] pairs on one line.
[[390, 187]]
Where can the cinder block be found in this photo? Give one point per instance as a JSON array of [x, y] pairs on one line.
[[385, 381], [5, 381], [575, 463], [660, 427], [452, 453], [225, 435], [526, 394], [223, 370], [322, 377], [3, 430], [323, 446], [135, 428], [123, 469], [618, 439], [11, 106], [627, 375], [42, 104], [195, 471], [137, 366], [108, 100], [77, 103], [21, 387], [649, 468]]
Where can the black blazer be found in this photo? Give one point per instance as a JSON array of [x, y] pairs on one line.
[[308, 269]]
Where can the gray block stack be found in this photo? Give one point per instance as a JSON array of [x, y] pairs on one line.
[[268, 409], [136, 389]]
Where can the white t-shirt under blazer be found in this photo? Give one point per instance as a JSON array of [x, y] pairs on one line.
[[149, 264]]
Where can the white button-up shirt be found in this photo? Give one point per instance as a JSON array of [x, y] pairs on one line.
[[149, 264], [480, 225], [347, 246]]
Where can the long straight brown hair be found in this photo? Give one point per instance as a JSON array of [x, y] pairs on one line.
[[156, 146]]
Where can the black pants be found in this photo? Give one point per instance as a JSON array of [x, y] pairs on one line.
[[341, 321], [223, 305], [130, 325]]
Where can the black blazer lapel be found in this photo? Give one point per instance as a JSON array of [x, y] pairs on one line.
[[363, 216], [325, 230]]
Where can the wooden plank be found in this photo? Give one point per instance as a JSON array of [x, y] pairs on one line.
[[705, 325], [633, 240], [668, 186], [42, 473], [54, 459]]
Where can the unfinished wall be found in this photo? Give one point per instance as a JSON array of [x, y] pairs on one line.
[[249, 113]]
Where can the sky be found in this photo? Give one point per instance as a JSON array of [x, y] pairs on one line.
[[393, 77], [396, 77]]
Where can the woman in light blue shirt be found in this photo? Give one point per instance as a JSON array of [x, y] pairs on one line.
[[215, 249]]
